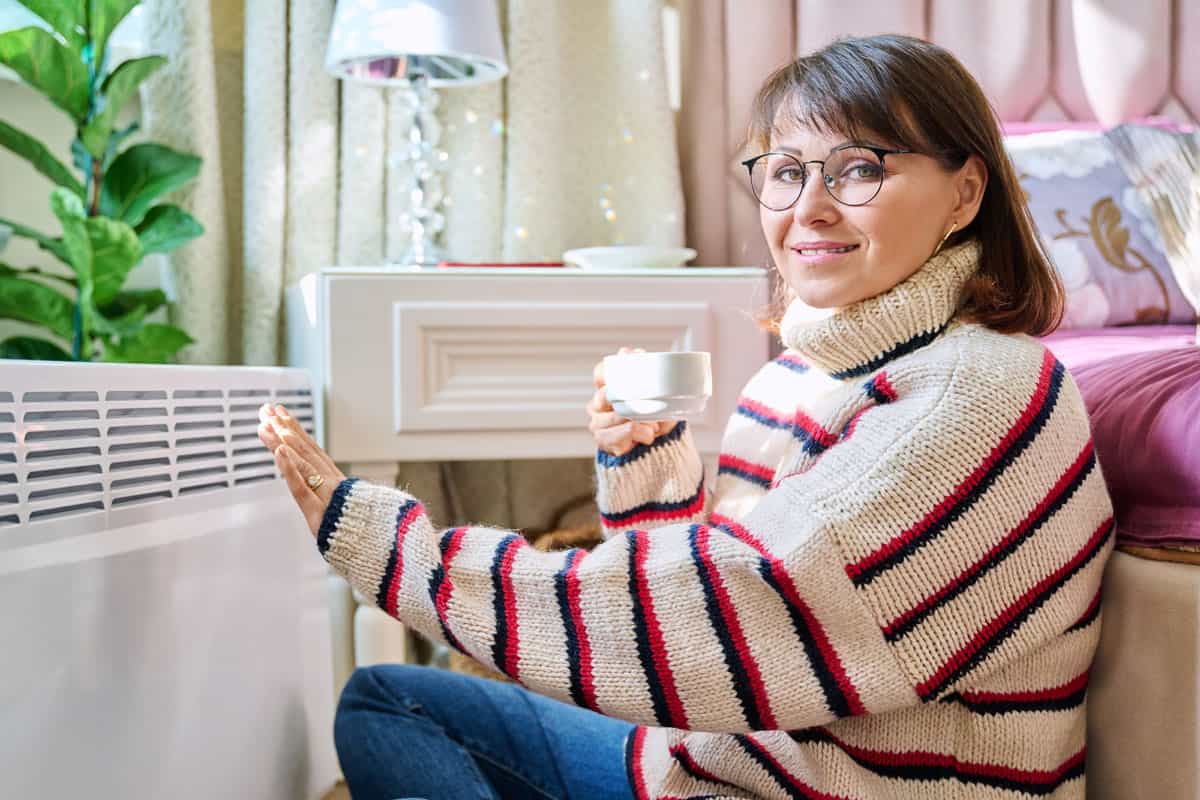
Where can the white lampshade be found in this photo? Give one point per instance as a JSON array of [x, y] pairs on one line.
[[382, 42]]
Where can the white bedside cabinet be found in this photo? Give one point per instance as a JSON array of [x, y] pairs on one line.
[[487, 363]]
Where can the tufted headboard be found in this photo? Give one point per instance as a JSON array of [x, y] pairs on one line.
[[1038, 60]]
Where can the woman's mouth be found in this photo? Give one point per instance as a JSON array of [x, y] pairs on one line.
[[822, 251]]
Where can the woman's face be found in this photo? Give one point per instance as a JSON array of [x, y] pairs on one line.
[[832, 255]]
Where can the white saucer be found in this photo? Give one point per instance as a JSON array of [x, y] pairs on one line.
[[629, 257]]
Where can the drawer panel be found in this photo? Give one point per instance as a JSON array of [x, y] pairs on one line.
[[522, 366]]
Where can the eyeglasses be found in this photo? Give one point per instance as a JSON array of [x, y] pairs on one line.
[[852, 174]]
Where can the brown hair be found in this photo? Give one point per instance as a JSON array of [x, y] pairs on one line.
[[917, 96]]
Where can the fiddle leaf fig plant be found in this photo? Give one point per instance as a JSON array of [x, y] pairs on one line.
[[109, 212]]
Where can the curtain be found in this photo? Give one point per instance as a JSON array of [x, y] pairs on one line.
[[575, 148]]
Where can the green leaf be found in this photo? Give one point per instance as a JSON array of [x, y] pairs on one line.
[[103, 17], [29, 348], [115, 251], [146, 299], [39, 156], [5, 269], [127, 324], [50, 67], [117, 89], [47, 243], [166, 228], [141, 175], [65, 16], [83, 159], [75, 242], [34, 302], [153, 344]]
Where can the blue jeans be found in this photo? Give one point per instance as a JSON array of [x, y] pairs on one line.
[[404, 731]]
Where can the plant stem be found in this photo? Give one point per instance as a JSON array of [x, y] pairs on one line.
[[97, 175]]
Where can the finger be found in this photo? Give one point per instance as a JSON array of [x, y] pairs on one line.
[[599, 403], [617, 440], [292, 432], [311, 506], [665, 427], [643, 432], [606, 421], [598, 374], [266, 435]]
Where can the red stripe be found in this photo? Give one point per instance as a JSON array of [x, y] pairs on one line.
[[884, 387], [1019, 605], [680, 752], [792, 595], [809, 792], [654, 515], [585, 648], [944, 507], [1055, 492], [922, 758], [854, 422], [726, 460], [639, 780], [442, 602], [788, 358], [815, 431], [658, 645], [512, 644], [401, 534], [764, 411], [730, 618], [1038, 695], [1091, 609]]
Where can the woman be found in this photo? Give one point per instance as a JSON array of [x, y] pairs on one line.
[[893, 592]]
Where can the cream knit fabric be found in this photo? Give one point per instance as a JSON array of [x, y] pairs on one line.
[[893, 592]]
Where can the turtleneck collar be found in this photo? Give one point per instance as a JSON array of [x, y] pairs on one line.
[[862, 337]]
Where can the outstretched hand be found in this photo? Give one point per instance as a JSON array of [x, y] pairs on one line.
[[309, 472]]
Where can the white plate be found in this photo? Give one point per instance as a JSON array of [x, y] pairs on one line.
[[629, 257]]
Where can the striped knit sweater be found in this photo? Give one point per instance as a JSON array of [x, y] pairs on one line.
[[893, 592]]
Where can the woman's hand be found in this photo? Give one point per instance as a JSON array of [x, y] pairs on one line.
[[613, 433], [310, 473]]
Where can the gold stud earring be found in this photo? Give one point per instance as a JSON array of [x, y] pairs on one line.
[[938, 249]]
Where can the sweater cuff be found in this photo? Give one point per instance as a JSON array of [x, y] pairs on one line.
[[658, 483], [359, 531]]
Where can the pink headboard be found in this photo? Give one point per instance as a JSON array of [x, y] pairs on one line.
[[1039, 60]]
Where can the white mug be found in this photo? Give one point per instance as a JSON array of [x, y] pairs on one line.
[[658, 386]]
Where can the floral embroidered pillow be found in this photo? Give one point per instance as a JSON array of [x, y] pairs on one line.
[[1098, 230]]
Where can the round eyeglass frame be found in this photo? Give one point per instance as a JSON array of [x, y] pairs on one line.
[[880, 153]]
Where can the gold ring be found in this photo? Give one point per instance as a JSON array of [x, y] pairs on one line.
[[315, 481]]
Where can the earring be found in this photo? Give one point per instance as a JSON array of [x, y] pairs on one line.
[[938, 249]]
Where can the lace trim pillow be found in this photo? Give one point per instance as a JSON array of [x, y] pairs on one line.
[[1098, 230]]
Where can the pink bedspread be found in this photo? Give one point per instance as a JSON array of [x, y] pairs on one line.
[[1141, 386]]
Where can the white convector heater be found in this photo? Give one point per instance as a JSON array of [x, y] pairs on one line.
[[164, 630]]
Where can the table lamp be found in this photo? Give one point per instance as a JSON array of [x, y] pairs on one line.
[[419, 45]]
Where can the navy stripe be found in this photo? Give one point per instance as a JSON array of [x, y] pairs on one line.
[[1019, 619], [807, 440], [770, 422], [939, 772], [436, 578], [393, 557], [684, 759], [874, 393], [727, 469], [901, 349], [654, 505], [737, 669], [779, 776], [1086, 619], [658, 696], [799, 369], [834, 696], [500, 643], [333, 513], [1073, 700], [1024, 439], [1069, 490], [607, 460], [574, 660]]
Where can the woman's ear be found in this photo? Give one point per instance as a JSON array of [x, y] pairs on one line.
[[969, 183]]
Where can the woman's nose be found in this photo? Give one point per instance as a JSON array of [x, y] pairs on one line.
[[814, 203]]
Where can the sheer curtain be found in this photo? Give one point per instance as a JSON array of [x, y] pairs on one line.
[[576, 147]]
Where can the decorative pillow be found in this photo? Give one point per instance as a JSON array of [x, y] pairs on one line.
[[1098, 230]]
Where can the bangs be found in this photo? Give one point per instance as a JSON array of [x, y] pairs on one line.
[[835, 96]]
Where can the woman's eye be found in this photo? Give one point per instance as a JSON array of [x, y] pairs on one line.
[[789, 175], [861, 171]]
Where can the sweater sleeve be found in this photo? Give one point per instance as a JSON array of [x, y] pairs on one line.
[[948, 535], [651, 485]]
